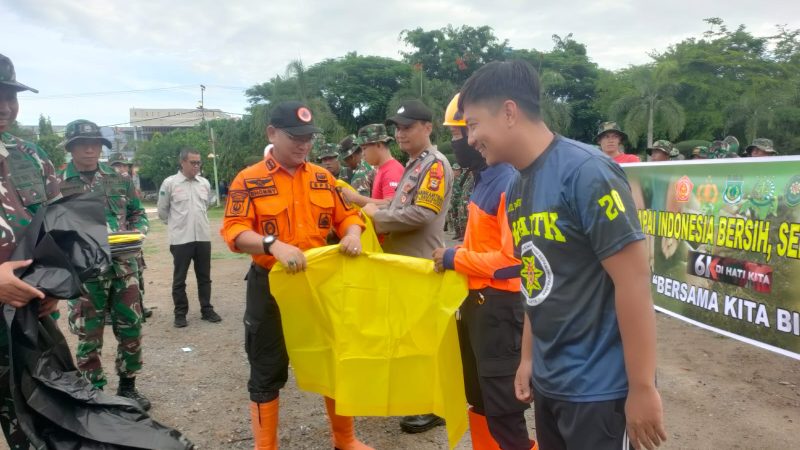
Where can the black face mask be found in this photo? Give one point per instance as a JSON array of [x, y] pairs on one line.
[[466, 156]]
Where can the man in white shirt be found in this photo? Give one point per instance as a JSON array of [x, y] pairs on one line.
[[183, 202]]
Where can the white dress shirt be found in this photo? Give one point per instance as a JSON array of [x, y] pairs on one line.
[[183, 206]]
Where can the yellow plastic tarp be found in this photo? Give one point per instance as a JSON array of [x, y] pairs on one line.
[[377, 333], [369, 239]]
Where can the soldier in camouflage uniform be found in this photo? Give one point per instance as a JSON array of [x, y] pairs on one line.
[[124, 167], [361, 173], [119, 286], [761, 147], [328, 158], [27, 181], [662, 150], [462, 189]]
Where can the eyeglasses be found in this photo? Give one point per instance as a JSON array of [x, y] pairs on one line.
[[305, 139], [196, 163]]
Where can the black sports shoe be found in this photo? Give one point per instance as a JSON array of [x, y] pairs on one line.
[[420, 424], [147, 313], [180, 322], [127, 389], [211, 316]]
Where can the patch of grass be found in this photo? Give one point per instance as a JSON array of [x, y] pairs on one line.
[[216, 212], [228, 255]]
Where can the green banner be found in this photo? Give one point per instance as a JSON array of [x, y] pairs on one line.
[[724, 243]]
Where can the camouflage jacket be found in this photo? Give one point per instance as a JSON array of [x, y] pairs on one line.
[[462, 190], [27, 181], [362, 179], [124, 210]]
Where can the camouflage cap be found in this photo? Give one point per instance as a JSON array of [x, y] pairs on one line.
[[348, 146], [118, 158], [328, 151], [609, 127], [83, 129], [763, 144], [665, 146], [372, 133], [8, 76], [700, 151]]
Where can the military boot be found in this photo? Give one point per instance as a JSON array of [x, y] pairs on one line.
[[127, 389]]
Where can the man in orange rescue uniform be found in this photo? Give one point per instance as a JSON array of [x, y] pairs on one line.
[[492, 316], [276, 209]]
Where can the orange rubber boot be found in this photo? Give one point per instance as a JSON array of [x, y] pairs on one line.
[[479, 431], [264, 421], [344, 434], [534, 445]]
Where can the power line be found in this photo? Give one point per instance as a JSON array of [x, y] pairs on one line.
[[131, 91], [101, 94], [160, 117]]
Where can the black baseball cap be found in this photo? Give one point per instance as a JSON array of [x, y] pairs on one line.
[[410, 111], [294, 118]]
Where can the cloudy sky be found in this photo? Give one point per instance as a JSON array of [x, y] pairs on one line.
[[68, 49]]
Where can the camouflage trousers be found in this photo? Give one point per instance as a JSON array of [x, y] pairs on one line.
[[119, 296], [15, 437]]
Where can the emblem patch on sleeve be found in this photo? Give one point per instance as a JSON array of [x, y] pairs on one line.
[[347, 205], [238, 204], [431, 191]]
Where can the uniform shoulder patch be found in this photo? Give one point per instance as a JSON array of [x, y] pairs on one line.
[[347, 205], [431, 191], [238, 204]]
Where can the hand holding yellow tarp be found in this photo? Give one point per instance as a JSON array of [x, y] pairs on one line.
[[377, 333], [369, 239]]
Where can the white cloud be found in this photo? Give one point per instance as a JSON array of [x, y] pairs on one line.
[[103, 45]]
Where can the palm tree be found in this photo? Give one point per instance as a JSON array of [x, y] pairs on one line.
[[651, 99]]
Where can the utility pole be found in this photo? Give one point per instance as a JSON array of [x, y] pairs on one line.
[[211, 139]]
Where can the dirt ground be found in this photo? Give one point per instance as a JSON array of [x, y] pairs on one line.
[[718, 393]]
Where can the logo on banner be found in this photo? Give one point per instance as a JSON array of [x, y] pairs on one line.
[[708, 192], [734, 190], [763, 192], [536, 274], [683, 189], [792, 194]]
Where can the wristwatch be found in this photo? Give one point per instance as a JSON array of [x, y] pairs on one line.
[[267, 243]]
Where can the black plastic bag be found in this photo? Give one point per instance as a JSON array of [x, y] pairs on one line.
[[68, 243], [58, 409]]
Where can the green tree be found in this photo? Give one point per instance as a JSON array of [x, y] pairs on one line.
[[358, 88], [158, 158], [574, 91], [453, 54], [650, 100], [50, 142]]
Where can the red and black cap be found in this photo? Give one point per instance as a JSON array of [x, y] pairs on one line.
[[294, 118], [410, 111]]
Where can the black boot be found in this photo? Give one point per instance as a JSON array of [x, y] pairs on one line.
[[127, 389], [420, 424]]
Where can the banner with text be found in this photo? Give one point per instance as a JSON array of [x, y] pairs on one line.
[[724, 243]]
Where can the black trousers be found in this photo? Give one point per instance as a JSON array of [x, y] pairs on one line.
[[263, 339], [562, 425], [182, 256], [490, 337]]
